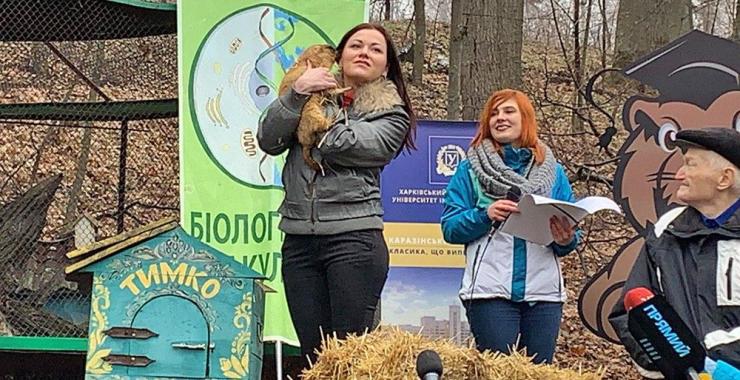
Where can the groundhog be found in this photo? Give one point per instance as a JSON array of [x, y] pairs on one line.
[[313, 119]]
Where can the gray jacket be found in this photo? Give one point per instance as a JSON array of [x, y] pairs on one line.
[[363, 139], [691, 266]]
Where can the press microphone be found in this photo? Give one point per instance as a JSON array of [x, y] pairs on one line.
[[663, 335], [513, 195], [429, 365]]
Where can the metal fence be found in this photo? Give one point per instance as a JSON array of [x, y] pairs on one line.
[[88, 145]]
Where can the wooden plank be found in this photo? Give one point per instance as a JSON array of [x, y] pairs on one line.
[[117, 238], [118, 247]]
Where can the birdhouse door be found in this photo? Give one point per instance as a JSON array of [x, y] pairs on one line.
[[182, 346]]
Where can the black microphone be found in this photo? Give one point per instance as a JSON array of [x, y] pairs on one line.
[[663, 335], [429, 365], [514, 194]]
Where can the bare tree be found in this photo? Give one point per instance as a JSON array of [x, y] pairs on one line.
[[97, 49], [709, 11], [420, 28], [575, 123], [580, 52], [493, 45], [604, 32], [645, 25], [737, 23], [453, 83], [583, 56]]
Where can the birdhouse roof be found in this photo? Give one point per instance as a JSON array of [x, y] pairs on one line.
[[162, 230]]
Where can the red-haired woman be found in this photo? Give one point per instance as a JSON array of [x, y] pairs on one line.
[[512, 289]]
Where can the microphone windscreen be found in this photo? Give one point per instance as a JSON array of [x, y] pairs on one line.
[[636, 297], [427, 362], [514, 193]]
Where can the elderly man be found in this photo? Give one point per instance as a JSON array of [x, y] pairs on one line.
[[693, 257]]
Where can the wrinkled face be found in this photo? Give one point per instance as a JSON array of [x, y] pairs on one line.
[[648, 186], [698, 178], [364, 57], [506, 122]]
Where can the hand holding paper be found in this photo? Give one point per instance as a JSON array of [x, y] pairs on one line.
[[532, 222], [562, 229]]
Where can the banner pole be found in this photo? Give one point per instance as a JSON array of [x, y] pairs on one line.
[[279, 359]]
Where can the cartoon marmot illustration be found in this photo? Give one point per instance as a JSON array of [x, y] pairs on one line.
[[698, 77], [313, 119]]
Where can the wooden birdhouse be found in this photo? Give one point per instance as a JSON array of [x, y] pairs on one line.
[[165, 305]]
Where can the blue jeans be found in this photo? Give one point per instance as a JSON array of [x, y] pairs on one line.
[[497, 323]]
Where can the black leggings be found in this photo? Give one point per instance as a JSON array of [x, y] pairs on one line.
[[333, 283]]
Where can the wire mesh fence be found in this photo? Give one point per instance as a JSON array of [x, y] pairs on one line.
[[88, 145]]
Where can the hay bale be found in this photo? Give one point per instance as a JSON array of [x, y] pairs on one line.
[[390, 354]]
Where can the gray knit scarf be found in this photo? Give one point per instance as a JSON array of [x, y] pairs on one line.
[[496, 178]]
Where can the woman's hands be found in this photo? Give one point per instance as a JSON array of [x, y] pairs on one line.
[[501, 209], [314, 80], [562, 231]]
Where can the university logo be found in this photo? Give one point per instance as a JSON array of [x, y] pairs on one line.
[[448, 157], [445, 154]]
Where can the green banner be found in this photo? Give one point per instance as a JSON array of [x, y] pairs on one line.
[[232, 55]]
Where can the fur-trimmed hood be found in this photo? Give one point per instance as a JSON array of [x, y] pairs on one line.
[[375, 96], [378, 95]]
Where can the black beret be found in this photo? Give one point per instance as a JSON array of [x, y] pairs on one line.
[[723, 141]]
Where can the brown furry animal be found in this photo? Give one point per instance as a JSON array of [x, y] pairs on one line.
[[313, 119]]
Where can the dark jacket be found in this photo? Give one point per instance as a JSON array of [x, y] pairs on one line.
[[697, 270], [346, 196]]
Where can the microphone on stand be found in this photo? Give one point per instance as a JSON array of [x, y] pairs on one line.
[[663, 335], [429, 365]]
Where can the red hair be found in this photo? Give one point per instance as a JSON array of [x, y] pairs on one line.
[[528, 139]]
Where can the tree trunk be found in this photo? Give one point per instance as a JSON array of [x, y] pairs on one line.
[[643, 26], [709, 16], [580, 63], [584, 44], [493, 49], [577, 41], [453, 82], [575, 121], [39, 60], [387, 5], [604, 32], [70, 213], [737, 22], [420, 31]]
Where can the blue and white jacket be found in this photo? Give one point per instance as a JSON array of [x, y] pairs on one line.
[[510, 268]]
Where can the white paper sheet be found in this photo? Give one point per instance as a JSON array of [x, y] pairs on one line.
[[532, 222]]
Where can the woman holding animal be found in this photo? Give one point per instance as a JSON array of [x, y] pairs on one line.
[[512, 289], [335, 260]]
